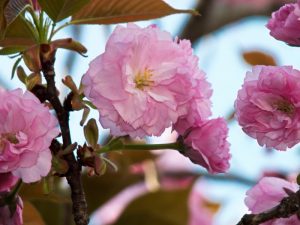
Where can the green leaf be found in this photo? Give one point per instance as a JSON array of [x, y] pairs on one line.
[[91, 132], [19, 33], [119, 11], [57, 202], [58, 10], [106, 186], [160, 208], [15, 67], [35, 191], [12, 50]]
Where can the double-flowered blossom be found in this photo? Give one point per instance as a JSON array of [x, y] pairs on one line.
[[285, 24], [26, 131], [267, 194], [145, 81], [206, 145], [267, 106]]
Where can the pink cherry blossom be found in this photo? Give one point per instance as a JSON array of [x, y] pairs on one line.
[[7, 180], [206, 145], [267, 194], [267, 106], [198, 210], [285, 24], [199, 214], [26, 131], [199, 107], [255, 4], [8, 217], [145, 81]]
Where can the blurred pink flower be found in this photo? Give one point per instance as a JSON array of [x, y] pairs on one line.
[[7, 217], [255, 4], [198, 213], [267, 106], [105, 215], [26, 131], [285, 24], [7, 180], [145, 81], [206, 145], [267, 194]]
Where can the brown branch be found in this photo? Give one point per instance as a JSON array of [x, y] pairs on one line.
[[288, 207], [215, 15], [73, 175]]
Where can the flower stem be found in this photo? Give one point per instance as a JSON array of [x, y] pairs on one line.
[[14, 192], [140, 147], [59, 28], [172, 146]]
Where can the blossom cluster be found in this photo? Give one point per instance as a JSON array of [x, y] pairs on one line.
[[145, 82], [267, 108]]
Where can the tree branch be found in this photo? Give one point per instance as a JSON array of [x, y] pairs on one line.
[[215, 15], [288, 207], [73, 175]]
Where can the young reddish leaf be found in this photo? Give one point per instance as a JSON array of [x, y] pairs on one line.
[[3, 3], [32, 80], [58, 10], [119, 11], [70, 44], [32, 59], [259, 58], [21, 74], [13, 9]]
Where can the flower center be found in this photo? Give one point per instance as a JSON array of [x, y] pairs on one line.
[[285, 107], [12, 138], [143, 79]]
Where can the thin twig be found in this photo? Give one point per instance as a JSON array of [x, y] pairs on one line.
[[288, 207]]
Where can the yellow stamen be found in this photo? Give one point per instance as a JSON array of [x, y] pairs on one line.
[[285, 107], [143, 79]]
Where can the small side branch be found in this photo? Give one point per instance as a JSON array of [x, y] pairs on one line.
[[288, 207]]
